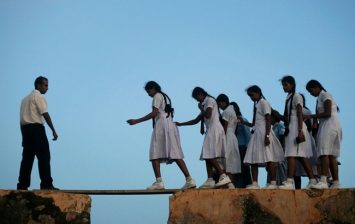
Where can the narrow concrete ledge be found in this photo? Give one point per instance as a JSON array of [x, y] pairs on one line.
[[262, 206], [43, 207]]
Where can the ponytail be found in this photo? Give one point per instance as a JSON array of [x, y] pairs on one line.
[[168, 105], [236, 108]]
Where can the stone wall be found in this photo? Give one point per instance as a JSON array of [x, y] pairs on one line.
[[262, 206], [43, 207]]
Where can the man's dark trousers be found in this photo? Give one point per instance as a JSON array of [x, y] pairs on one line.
[[35, 143]]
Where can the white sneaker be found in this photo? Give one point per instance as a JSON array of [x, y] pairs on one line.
[[320, 185], [231, 186], [156, 186], [209, 183], [270, 186], [286, 185], [335, 186], [253, 186], [223, 180], [189, 184], [310, 185]]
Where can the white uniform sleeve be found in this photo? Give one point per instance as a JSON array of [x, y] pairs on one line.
[[157, 100], [265, 107], [227, 116], [325, 96], [297, 99], [41, 103], [209, 103]]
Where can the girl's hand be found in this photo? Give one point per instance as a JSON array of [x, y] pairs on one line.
[[301, 136], [132, 121], [177, 124], [315, 125], [306, 116], [267, 140]]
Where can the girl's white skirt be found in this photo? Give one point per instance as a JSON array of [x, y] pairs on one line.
[[233, 163], [258, 153], [165, 142], [214, 143], [292, 149], [329, 137]]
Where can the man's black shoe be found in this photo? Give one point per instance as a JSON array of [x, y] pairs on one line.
[[51, 188], [22, 188]]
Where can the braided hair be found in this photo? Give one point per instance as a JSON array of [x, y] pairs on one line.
[[290, 80], [308, 122]]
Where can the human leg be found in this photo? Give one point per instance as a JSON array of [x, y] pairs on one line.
[[209, 183], [254, 172], [190, 183], [242, 179], [271, 169], [291, 169], [158, 184], [156, 168], [306, 163], [44, 157], [24, 179], [223, 178], [214, 163], [182, 165], [254, 175], [333, 165], [298, 182]]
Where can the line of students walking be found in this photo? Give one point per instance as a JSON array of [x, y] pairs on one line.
[[227, 150]]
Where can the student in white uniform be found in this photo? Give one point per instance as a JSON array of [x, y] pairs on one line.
[[214, 143], [264, 147], [297, 141], [230, 122], [165, 142], [314, 159], [329, 134]]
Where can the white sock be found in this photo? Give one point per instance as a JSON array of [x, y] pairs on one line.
[[189, 178], [273, 182], [290, 180], [323, 179], [255, 183], [222, 175], [159, 179]]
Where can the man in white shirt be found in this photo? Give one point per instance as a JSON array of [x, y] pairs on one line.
[[33, 114]]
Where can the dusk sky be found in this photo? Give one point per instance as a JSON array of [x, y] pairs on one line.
[[98, 55]]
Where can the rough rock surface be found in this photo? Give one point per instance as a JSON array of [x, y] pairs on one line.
[[262, 206], [43, 207]]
